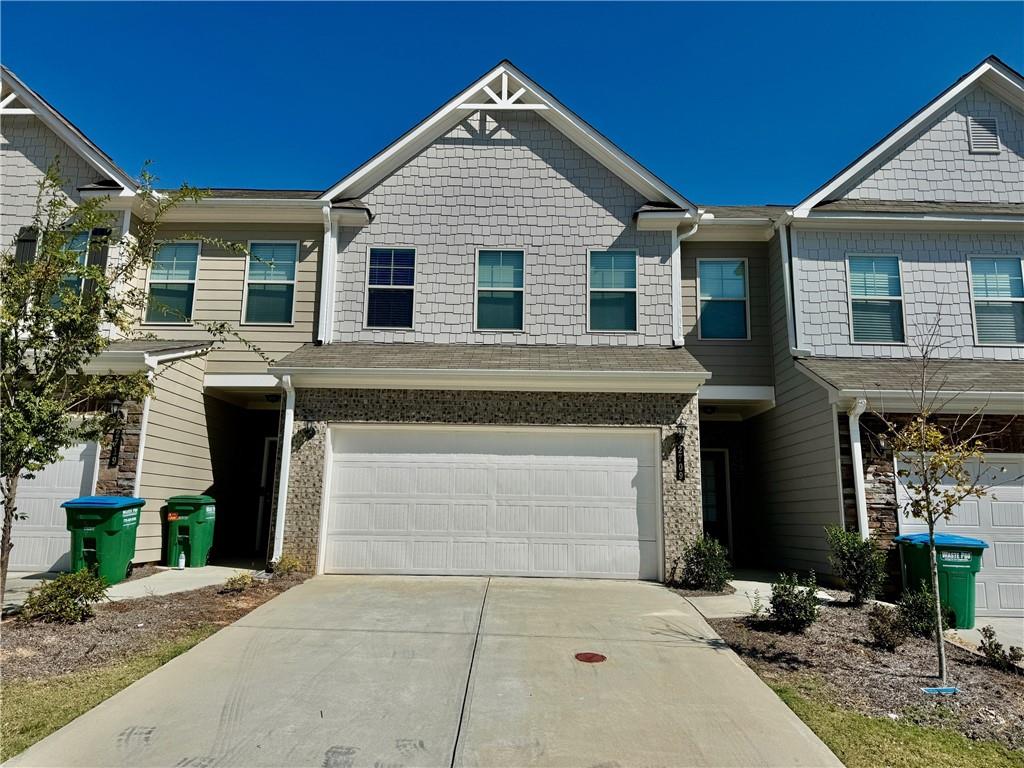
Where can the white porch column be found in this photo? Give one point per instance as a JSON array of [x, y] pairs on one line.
[[286, 457], [854, 414]]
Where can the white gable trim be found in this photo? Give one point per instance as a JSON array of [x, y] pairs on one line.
[[992, 73], [68, 133], [480, 95]]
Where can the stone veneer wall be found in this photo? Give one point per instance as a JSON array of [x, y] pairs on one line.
[[315, 409], [119, 480]]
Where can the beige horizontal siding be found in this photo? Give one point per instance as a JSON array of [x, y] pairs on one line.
[[176, 458], [220, 286]]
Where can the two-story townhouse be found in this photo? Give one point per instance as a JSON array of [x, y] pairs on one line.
[[916, 245]]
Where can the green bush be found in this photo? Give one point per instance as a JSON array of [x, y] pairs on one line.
[[994, 653], [705, 565], [239, 582], [917, 611], [286, 565], [886, 627], [793, 605], [858, 562], [67, 599]]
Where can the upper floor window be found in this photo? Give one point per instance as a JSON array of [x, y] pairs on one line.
[[724, 299], [997, 290], [876, 300], [499, 291], [172, 283], [390, 288], [90, 249], [612, 290], [270, 283]]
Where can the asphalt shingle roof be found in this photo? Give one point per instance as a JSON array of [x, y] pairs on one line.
[[907, 206], [155, 345], [509, 357], [870, 374]]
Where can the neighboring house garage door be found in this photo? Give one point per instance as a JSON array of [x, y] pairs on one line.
[[41, 541], [998, 519], [522, 502]]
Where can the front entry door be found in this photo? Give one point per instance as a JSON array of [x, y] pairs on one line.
[[714, 482]]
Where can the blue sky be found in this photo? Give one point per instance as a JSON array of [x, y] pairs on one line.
[[728, 102]]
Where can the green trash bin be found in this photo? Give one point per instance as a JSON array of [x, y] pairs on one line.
[[958, 559], [188, 528], [103, 532]]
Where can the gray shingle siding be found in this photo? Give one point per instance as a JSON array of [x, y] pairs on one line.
[[795, 449], [937, 165], [935, 287], [522, 184]]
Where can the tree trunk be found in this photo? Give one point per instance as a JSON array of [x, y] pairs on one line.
[[10, 491], [934, 568]]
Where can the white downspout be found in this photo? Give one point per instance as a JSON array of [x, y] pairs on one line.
[[854, 414], [677, 281], [323, 333], [286, 456]]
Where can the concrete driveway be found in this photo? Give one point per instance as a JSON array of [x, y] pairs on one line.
[[420, 671]]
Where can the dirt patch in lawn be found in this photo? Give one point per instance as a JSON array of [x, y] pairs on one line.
[[729, 589], [122, 628], [837, 651]]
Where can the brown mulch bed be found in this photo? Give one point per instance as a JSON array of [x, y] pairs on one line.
[[838, 652], [728, 590], [38, 650]]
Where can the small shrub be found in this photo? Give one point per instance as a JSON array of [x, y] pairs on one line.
[[239, 582], [793, 605], [705, 565], [917, 611], [858, 562], [286, 565], [994, 653], [886, 627], [67, 599]]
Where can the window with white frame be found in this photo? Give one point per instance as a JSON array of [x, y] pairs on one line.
[[724, 299], [270, 283], [612, 291], [90, 248], [876, 299], [997, 287], [172, 283], [499, 290], [390, 288]]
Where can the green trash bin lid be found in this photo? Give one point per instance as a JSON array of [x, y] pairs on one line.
[[190, 500], [104, 502]]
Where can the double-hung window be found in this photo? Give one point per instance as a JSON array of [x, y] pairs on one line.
[[390, 288], [172, 283], [90, 249], [724, 299], [612, 291], [499, 291], [876, 299], [270, 283], [997, 289]]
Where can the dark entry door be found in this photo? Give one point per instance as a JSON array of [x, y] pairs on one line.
[[714, 481]]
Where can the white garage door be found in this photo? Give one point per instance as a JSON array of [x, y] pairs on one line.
[[537, 502], [41, 541], [998, 519]]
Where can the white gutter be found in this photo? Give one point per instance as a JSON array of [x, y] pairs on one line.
[[326, 264], [787, 281], [286, 456], [677, 281], [854, 414]]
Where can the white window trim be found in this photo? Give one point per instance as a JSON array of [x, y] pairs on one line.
[[850, 297], [477, 289], [367, 286], [195, 283], [970, 139], [636, 290], [245, 284], [745, 299], [970, 284]]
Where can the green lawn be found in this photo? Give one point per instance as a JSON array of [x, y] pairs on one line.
[[870, 742], [32, 709]]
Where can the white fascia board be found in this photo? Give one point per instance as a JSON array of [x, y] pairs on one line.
[[560, 116], [498, 380], [211, 209], [846, 220], [115, 361], [996, 77], [658, 221], [241, 381], [903, 401], [734, 230], [738, 393]]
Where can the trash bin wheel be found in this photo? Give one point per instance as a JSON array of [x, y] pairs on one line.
[[128, 570]]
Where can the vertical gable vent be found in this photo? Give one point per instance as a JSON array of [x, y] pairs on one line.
[[983, 135]]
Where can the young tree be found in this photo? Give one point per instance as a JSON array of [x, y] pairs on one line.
[[58, 297]]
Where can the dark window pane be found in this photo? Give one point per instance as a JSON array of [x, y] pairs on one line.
[[613, 311], [723, 319], [877, 321], [402, 276], [269, 303], [404, 257], [389, 308], [500, 310], [390, 266], [1000, 323], [170, 302]]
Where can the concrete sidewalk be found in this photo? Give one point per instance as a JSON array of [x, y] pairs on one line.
[[346, 671]]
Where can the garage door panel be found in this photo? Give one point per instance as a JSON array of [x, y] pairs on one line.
[[1007, 514], [536, 502], [1011, 596]]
